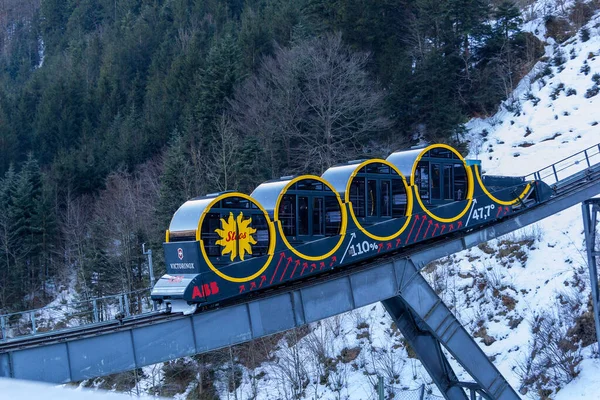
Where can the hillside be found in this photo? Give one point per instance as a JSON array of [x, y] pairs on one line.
[[524, 297], [112, 114]]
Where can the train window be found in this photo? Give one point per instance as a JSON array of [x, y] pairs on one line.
[[333, 218], [376, 168], [357, 196], [309, 184], [212, 222], [448, 182], [287, 214], [259, 222], [440, 152], [422, 180], [460, 182], [302, 215], [318, 214], [398, 198], [386, 197], [372, 198], [234, 202], [436, 179]]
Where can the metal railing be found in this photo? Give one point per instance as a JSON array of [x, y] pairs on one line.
[[69, 315], [567, 167]]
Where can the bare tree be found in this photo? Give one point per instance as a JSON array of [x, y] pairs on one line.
[[221, 163], [312, 105]]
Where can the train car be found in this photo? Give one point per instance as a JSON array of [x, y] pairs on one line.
[[223, 246]]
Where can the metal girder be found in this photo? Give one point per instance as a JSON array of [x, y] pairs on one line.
[[427, 320], [427, 348], [124, 348], [590, 209]]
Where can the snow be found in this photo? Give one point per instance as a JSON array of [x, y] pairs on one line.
[[11, 389], [529, 132], [518, 142]]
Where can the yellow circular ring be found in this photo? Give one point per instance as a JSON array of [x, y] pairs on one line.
[[271, 239], [409, 199], [501, 202], [342, 211], [470, 190]]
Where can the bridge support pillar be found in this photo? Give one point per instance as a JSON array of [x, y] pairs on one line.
[[591, 209], [427, 324]]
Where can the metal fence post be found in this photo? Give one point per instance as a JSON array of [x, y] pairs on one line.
[[380, 392], [555, 174], [126, 299], [3, 327], [121, 305], [95, 307], [32, 317], [587, 159]]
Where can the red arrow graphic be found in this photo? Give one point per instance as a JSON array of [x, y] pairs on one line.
[[379, 247], [412, 227], [499, 212], [295, 266], [304, 266], [436, 226], [252, 285], [389, 246], [420, 226], [506, 210], [333, 260], [427, 230], [398, 241], [443, 227], [281, 257], [450, 227], [459, 225], [321, 265], [263, 279], [242, 288], [289, 260], [313, 266]]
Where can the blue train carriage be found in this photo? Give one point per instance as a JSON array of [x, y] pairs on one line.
[[229, 245]]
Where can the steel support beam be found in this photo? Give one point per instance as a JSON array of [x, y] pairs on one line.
[[590, 209], [426, 347], [121, 348], [418, 302]]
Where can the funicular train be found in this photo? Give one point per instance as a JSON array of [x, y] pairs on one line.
[[227, 245]]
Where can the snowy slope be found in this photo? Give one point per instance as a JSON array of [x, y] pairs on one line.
[[13, 389], [497, 291]]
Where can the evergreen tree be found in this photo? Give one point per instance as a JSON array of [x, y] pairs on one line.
[[216, 83], [175, 182]]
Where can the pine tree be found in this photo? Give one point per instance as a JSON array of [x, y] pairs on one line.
[[216, 83], [175, 182]]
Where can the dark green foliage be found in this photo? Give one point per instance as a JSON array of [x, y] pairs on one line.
[[174, 181], [556, 91], [27, 236], [97, 86], [585, 68], [591, 92], [584, 34], [559, 57]]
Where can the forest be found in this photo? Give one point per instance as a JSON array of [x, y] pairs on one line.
[[113, 113]]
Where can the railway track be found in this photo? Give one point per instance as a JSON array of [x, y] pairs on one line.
[[563, 190]]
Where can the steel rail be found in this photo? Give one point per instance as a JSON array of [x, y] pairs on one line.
[[588, 179]]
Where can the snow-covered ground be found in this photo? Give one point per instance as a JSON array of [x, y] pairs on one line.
[[497, 291], [13, 389]]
